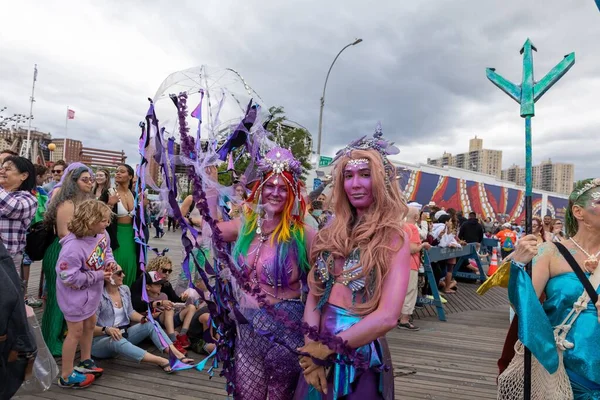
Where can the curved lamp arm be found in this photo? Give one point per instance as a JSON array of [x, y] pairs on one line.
[[357, 41]]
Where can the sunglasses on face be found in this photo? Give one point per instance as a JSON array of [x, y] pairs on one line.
[[166, 270], [119, 273], [86, 179], [57, 171]]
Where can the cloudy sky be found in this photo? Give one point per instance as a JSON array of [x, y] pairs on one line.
[[420, 69]]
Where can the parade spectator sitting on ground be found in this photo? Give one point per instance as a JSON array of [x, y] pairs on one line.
[[114, 335], [201, 324], [507, 238], [17, 205], [168, 313], [162, 268], [57, 173], [412, 218], [558, 233]]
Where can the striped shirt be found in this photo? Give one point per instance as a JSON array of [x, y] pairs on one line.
[[16, 212]]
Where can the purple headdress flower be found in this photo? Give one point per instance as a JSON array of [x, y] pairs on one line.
[[279, 160]]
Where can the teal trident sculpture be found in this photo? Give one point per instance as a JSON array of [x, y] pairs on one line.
[[526, 95]]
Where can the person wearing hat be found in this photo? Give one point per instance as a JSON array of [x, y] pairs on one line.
[[164, 311], [507, 238], [120, 329]]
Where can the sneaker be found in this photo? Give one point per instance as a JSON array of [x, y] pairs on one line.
[[184, 340], [33, 302], [89, 367], [76, 381], [198, 346], [408, 326], [442, 299], [179, 347]]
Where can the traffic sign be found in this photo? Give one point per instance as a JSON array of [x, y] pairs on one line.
[[325, 161]]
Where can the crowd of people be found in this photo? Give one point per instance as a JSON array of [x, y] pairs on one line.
[[345, 260]]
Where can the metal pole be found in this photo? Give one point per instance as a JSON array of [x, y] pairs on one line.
[[357, 41], [528, 230], [31, 100]]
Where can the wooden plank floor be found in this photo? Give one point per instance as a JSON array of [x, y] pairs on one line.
[[444, 360]]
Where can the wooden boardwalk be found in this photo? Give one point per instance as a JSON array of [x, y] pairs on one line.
[[444, 360]]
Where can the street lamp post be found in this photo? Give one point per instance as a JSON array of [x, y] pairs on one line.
[[357, 41]]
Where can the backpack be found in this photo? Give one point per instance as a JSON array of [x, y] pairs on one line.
[[18, 348], [508, 244], [39, 238]]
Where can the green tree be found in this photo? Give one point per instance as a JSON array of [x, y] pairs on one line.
[[285, 134], [242, 160]]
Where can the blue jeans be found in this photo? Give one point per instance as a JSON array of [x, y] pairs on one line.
[[106, 347]]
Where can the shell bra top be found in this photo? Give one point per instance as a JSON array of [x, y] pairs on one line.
[[350, 276], [274, 271]]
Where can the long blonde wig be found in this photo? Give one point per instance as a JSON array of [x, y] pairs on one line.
[[378, 234]]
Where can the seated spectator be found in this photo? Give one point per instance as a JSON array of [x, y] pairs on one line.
[[168, 313], [201, 324], [114, 335], [164, 267]]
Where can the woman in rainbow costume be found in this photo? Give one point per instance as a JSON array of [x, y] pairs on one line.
[[271, 254]]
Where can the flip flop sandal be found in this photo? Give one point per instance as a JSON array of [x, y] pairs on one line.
[[186, 360], [166, 368]]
